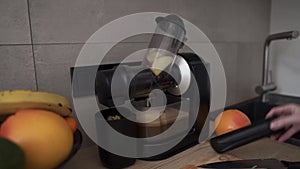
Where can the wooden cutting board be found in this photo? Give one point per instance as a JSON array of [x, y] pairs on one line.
[[216, 158]]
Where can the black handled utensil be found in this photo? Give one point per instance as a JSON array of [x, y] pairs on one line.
[[242, 136], [253, 163]]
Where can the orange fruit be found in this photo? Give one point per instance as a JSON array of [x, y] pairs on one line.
[[72, 123], [44, 136], [230, 120]]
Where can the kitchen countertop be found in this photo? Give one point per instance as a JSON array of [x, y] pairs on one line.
[[264, 148]]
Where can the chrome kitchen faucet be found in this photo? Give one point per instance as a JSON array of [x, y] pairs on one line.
[[267, 84]]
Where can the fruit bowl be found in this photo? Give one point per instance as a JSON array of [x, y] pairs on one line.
[[76, 146]]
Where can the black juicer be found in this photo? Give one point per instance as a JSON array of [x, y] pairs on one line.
[[181, 77]]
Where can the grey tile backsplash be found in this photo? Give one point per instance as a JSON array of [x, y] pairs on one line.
[[17, 68], [53, 64], [14, 22], [60, 28]]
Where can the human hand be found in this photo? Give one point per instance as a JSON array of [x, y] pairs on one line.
[[288, 119]]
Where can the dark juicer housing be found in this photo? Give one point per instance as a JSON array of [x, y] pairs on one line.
[[185, 80]]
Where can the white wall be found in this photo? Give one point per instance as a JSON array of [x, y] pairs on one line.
[[285, 55]]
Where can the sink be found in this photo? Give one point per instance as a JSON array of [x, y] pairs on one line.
[[256, 110]]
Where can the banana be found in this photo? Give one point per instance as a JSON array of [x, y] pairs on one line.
[[13, 100]]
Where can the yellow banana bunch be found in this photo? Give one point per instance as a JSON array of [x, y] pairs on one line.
[[13, 100]]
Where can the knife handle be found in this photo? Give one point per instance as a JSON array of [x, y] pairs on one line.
[[242, 136], [291, 165]]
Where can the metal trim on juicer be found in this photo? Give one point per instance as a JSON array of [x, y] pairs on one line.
[[185, 77]]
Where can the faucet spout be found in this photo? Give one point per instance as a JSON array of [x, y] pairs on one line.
[[283, 35], [264, 88]]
